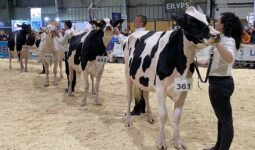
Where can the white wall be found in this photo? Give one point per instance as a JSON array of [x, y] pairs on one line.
[[240, 9]]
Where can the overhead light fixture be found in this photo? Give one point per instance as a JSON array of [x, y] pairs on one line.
[[46, 18]]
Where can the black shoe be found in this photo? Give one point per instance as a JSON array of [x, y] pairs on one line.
[[213, 148], [43, 72], [133, 113]]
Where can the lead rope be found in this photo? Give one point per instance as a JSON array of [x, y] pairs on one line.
[[208, 69]]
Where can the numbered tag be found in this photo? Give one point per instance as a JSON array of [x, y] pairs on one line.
[[183, 84], [49, 57], [101, 59], [25, 47]]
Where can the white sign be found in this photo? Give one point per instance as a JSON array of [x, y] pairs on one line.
[[36, 18], [246, 53], [101, 59], [171, 5], [183, 84]]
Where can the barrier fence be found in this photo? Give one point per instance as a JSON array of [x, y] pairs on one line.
[[5, 54]]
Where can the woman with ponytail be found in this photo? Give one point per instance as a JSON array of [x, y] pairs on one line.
[[221, 84]]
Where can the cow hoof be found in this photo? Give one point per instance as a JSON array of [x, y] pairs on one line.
[[46, 85], [151, 121], [70, 94], [179, 145], [128, 119], [162, 147], [26, 70], [83, 104], [128, 124], [98, 104]]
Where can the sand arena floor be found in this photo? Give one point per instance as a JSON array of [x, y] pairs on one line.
[[34, 117]]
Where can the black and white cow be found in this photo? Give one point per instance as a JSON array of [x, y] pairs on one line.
[[25, 38], [156, 61], [87, 54]]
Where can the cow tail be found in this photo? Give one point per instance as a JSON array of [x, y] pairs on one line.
[[137, 93]]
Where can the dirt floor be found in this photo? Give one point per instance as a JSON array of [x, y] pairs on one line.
[[34, 117]]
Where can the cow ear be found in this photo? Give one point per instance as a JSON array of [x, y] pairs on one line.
[[180, 19], [208, 19], [93, 22], [117, 22], [102, 24], [111, 22]]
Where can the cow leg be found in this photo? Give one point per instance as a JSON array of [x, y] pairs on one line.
[[161, 95], [98, 79], [46, 66], [85, 78], [21, 65], [10, 60], [71, 78], [176, 121], [129, 86], [60, 67], [93, 85], [55, 71], [149, 113], [26, 60]]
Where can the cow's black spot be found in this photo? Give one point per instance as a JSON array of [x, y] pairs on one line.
[[130, 62], [172, 56], [144, 81], [155, 47], [129, 52], [93, 46], [155, 80], [147, 60], [124, 46], [76, 45], [139, 47], [146, 63]]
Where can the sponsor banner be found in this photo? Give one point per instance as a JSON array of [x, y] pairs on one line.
[[176, 5]]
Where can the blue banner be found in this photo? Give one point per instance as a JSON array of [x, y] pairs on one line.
[[4, 49]]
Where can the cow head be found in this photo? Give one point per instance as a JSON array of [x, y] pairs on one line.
[[196, 28], [107, 25], [25, 27], [50, 30]]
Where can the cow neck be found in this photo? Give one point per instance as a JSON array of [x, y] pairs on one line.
[[107, 38], [49, 41], [189, 50]]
